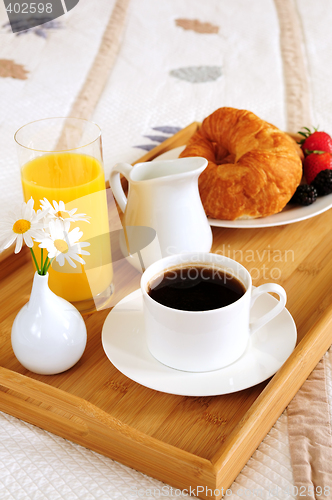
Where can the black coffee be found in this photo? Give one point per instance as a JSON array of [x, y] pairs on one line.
[[195, 288]]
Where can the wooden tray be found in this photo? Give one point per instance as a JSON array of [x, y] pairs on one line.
[[184, 441]]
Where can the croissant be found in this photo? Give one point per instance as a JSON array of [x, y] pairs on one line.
[[253, 167]]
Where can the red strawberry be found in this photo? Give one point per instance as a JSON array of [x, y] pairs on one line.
[[315, 141], [315, 163]]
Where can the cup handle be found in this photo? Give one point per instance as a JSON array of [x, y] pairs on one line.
[[268, 287], [115, 183]]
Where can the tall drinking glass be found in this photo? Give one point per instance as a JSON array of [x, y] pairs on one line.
[[61, 160]]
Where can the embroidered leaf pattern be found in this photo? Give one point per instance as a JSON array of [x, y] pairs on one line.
[[197, 74], [197, 26], [146, 147], [41, 30], [9, 69], [167, 129], [158, 139]]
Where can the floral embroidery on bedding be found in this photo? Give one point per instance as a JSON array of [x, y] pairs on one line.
[[197, 26], [197, 74], [41, 31], [168, 130], [10, 69]]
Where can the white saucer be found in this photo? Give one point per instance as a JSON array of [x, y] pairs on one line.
[[123, 339], [289, 215]]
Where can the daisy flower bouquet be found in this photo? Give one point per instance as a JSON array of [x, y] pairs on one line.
[[49, 226]]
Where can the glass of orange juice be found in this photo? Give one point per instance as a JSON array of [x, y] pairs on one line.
[[61, 160]]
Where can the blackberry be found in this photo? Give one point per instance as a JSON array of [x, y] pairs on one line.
[[304, 195], [323, 182]]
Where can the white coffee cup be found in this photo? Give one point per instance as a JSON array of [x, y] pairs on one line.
[[199, 341]]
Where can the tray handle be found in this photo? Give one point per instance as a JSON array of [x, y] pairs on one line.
[[63, 406], [97, 430]]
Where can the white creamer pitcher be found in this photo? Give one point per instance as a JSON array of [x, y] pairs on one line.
[[164, 195]]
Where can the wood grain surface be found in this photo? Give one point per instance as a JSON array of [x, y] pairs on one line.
[[184, 441]]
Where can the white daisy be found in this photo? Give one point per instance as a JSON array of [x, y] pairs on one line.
[[58, 211], [22, 225], [62, 244]]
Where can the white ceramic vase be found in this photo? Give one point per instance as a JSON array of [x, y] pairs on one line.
[[48, 334]]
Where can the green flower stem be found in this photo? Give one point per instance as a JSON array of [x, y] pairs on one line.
[[35, 260], [45, 265], [48, 265], [41, 260]]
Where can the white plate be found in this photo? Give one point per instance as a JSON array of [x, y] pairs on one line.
[[288, 215], [123, 339]]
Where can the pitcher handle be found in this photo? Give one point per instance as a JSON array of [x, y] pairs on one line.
[[115, 183], [268, 287]]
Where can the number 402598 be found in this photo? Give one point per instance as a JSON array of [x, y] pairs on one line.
[[29, 8]]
